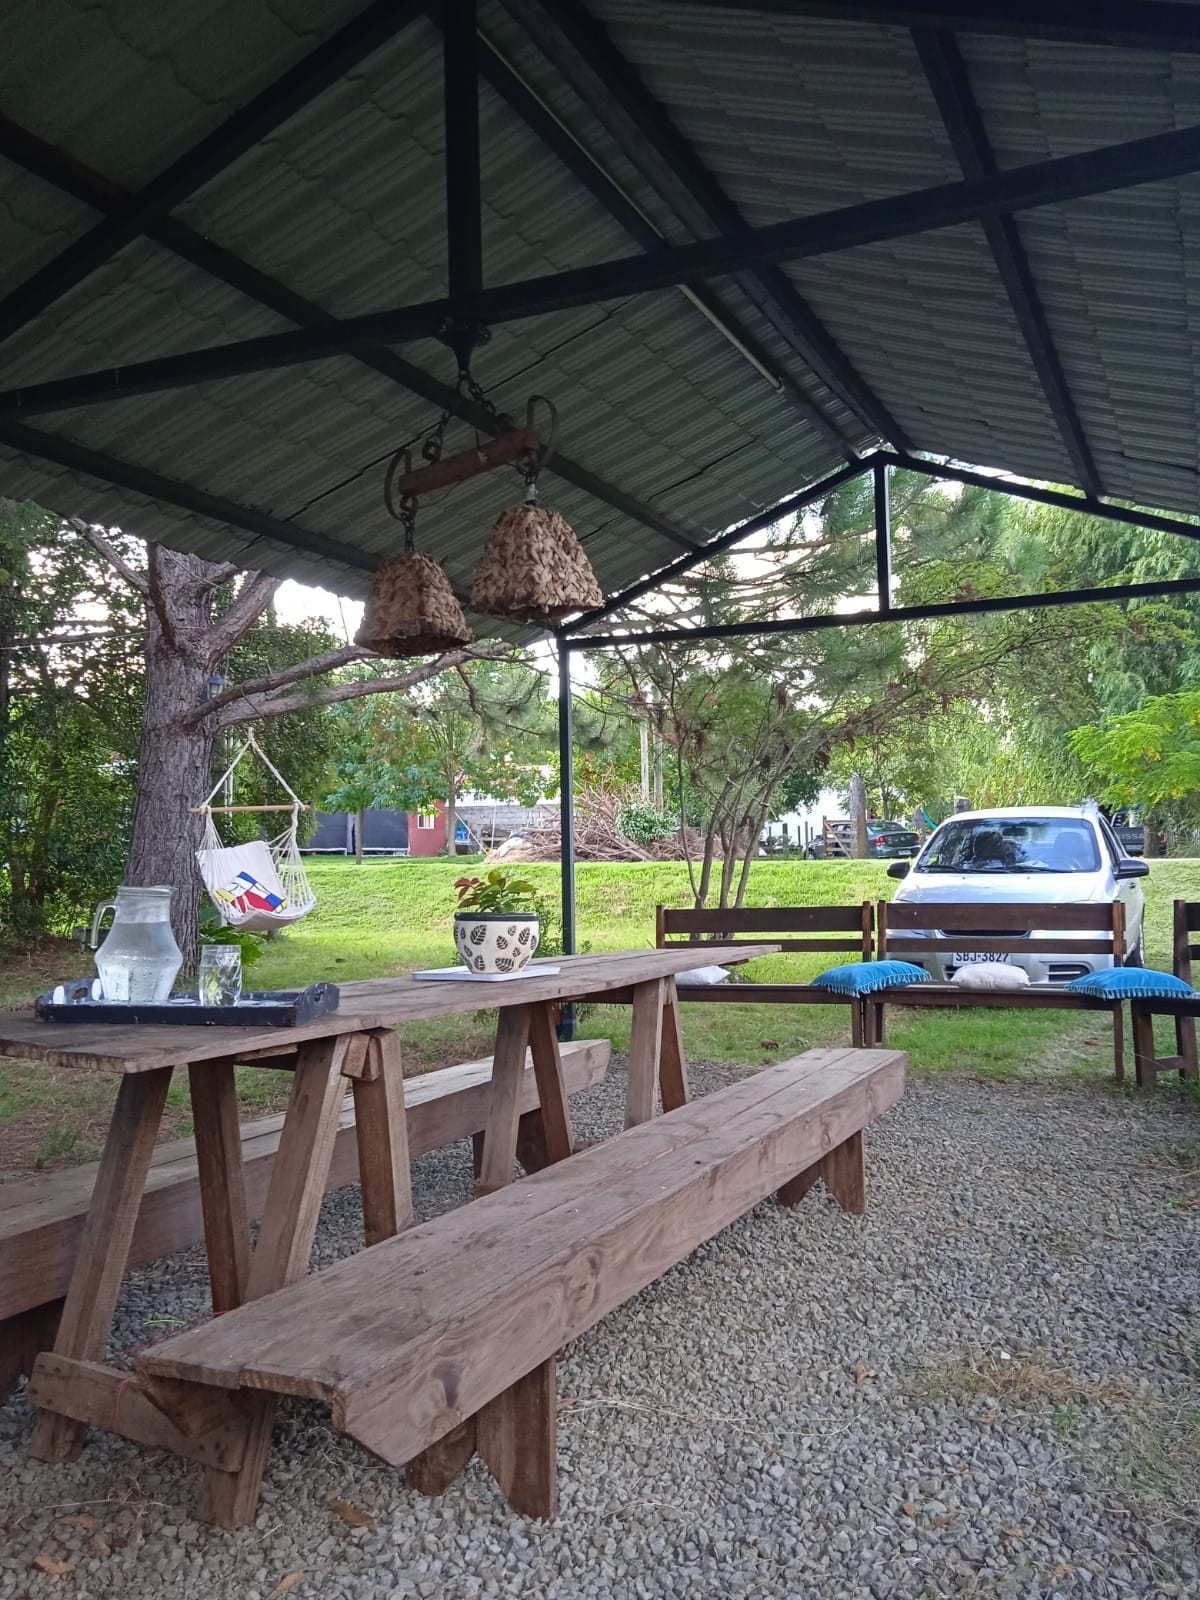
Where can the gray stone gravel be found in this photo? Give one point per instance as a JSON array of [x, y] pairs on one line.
[[784, 1415]]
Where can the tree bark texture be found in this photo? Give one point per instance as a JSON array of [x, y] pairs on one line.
[[174, 754]]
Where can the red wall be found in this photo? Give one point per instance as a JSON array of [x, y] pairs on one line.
[[427, 841]]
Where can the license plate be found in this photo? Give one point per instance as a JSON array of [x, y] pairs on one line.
[[964, 959]]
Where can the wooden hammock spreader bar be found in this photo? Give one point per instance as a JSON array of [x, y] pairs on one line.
[[224, 811], [505, 450]]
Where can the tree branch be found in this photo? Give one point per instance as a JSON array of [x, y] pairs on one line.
[[136, 580], [253, 707], [251, 601], [272, 681]]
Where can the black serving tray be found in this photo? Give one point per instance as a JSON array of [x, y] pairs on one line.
[[264, 1008]]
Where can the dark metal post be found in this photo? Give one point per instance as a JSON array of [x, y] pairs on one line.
[[883, 535], [566, 801], [464, 232]]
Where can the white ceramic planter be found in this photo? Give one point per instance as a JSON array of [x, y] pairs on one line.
[[496, 941]]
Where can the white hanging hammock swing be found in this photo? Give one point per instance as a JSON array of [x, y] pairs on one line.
[[263, 884]]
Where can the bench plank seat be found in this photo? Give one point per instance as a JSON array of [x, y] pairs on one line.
[[42, 1218], [410, 1339]]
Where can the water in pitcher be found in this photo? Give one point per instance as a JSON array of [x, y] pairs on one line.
[[139, 960]]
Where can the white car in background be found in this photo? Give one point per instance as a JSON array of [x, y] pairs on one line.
[[1057, 854]]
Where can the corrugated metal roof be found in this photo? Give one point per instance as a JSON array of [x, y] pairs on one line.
[[344, 204]]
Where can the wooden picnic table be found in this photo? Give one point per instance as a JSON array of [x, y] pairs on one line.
[[355, 1042]]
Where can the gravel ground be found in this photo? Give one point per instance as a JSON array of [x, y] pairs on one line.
[[987, 1386]]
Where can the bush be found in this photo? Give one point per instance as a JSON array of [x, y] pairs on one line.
[[642, 823]]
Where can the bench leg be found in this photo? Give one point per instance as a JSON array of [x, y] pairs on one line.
[[222, 1181], [1143, 1049], [104, 1248], [1185, 1044], [381, 1134], [844, 1172], [281, 1256], [517, 1436], [23, 1337], [673, 1075], [435, 1469], [1119, 1041]]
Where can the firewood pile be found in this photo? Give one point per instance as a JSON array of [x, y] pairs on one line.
[[598, 836]]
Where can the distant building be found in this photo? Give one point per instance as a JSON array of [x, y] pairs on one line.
[[482, 824]]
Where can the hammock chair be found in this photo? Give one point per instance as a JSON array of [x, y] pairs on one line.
[[263, 884]]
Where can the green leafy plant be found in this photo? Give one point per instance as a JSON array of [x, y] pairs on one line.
[[214, 931], [643, 823], [498, 893]]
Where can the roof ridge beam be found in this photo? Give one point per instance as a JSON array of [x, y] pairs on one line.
[[1150, 159], [1140, 24], [589, 47], [949, 81], [584, 167], [238, 134]]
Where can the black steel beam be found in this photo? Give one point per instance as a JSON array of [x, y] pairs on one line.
[[464, 223], [247, 127], [583, 53], [899, 614], [883, 534], [566, 791], [1153, 520], [715, 547], [588, 172], [173, 492], [949, 81], [1159, 156], [1149, 24], [64, 172]]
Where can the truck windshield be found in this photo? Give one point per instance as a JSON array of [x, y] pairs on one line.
[[1012, 844]]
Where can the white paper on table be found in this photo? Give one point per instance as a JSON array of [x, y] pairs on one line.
[[465, 975]]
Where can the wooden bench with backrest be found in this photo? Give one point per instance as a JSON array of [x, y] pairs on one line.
[[441, 1341], [813, 930], [907, 931], [41, 1219]]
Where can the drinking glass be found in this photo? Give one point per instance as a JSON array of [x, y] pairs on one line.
[[220, 975]]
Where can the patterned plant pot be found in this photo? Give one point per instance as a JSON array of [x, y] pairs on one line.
[[496, 941]]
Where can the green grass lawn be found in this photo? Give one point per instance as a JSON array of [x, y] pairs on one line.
[[391, 916]]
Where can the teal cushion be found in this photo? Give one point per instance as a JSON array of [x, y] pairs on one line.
[[1130, 983], [864, 977]]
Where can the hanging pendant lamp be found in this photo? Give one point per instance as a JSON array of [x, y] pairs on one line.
[[533, 568], [411, 609]]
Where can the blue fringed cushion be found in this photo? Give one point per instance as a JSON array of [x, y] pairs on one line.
[[864, 977], [1130, 983]]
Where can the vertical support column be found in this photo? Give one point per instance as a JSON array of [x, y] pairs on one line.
[[566, 801], [464, 234], [883, 535]]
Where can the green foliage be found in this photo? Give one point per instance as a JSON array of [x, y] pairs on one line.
[[214, 931], [499, 891], [643, 822], [1148, 757]]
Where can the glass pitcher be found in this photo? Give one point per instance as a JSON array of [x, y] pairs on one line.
[[139, 960]]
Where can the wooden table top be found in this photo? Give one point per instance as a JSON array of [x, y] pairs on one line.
[[372, 1003]]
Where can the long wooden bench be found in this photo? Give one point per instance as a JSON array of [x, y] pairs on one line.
[[797, 930], [441, 1341], [41, 1219], [909, 930]]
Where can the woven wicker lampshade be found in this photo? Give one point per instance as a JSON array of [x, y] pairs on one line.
[[411, 610], [533, 568]]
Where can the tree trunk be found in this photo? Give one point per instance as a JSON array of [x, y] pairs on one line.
[[174, 756], [858, 815], [360, 824], [1150, 845], [452, 823]]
